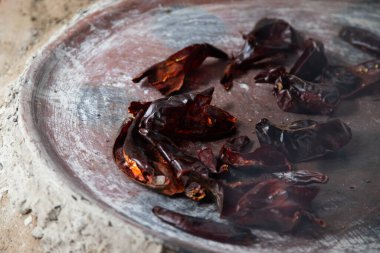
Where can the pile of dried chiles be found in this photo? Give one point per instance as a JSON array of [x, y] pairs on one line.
[[251, 188]]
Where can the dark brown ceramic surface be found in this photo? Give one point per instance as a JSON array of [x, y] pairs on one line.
[[78, 89]]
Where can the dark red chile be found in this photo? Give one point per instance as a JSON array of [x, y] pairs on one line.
[[304, 139], [169, 75]]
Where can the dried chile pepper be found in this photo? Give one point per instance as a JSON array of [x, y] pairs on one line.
[[298, 96], [146, 153], [208, 229], [304, 139], [312, 65], [269, 37], [362, 39], [263, 159], [233, 191], [137, 160], [353, 79], [294, 92], [309, 66], [169, 75], [277, 205]]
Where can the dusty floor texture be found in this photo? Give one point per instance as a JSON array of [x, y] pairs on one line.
[[38, 212]]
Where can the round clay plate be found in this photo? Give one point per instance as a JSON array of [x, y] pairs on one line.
[[78, 90]]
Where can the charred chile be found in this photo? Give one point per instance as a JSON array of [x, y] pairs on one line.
[[169, 75], [305, 139], [207, 229]]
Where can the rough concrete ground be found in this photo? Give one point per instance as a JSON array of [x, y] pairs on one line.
[[38, 213]]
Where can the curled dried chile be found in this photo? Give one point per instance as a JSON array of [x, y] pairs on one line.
[[145, 152], [304, 139], [298, 96], [207, 229], [276, 205], [169, 75], [353, 79], [263, 159], [362, 39], [269, 41]]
